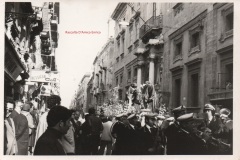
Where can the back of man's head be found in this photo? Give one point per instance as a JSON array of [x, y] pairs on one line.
[[57, 114], [91, 110], [53, 100]]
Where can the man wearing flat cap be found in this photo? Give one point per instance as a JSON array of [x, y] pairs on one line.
[[118, 130], [131, 135], [212, 122], [148, 135], [170, 130]]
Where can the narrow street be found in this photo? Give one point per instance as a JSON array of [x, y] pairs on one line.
[[126, 79]]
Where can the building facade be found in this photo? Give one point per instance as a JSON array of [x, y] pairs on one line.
[[81, 94], [31, 37], [185, 50], [101, 84], [19, 20]]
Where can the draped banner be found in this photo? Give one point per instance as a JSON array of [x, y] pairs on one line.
[[43, 76]]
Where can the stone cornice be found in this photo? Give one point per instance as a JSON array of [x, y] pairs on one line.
[[119, 71], [120, 7], [218, 5], [177, 68], [225, 49], [188, 25], [194, 61]]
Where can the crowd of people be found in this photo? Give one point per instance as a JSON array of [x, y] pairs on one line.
[[61, 131]]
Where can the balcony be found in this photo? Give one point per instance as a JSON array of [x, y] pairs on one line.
[[151, 28], [54, 25], [47, 51], [223, 89], [45, 43], [54, 35], [44, 35]]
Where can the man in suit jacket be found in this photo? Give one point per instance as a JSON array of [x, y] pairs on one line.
[[21, 126]]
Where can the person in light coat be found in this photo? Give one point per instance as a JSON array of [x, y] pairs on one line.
[[10, 143], [68, 142]]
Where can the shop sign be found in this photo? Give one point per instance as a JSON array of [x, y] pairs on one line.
[[43, 76]]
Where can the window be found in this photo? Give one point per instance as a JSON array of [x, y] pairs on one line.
[[118, 45], [122, 55], [130, 49], [123, 41], [195, 40], [116, 81], [229, 22], [137, 25], [178, 8], [121, 78], [178, 50], [131, 34], [194, 90], [120, 94], [135, 72], [129, 74], [177, 92]]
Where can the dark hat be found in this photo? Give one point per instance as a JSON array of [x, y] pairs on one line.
[[151, 116], [179, 109], [185, 117], [209, 107], [26, 107], [132, 116]]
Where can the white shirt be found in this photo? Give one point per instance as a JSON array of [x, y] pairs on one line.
[[132, 126], [149, 128]]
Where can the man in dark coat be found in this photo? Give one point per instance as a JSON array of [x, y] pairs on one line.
[[96, 126], [59, 122], [148, 136], [77, 136], [131, 136], [170, 129], [118, 130], [21, 127]]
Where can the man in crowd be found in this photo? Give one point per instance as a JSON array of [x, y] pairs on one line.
[[59, 122], [21, 128], [132, 136], [96, 126], [85, 136], [77, 136], [212, 122], [10, 143], [227, 131], [106, 138], [118, 130], [148, 136], [31, 125], [170, 129], [53, 100]]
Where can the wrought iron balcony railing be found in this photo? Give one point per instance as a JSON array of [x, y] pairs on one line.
[[151, 27], [223, 83]]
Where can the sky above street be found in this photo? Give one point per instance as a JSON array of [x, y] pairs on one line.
[[76, 52]]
